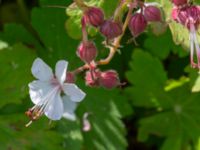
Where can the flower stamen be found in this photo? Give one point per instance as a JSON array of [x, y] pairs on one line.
[[38, 110]]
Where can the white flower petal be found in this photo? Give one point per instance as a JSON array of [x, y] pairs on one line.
[[38, 90], [69, 108], [41, 70], [54, 109], [73, 92], [153, 4], [61, 70]]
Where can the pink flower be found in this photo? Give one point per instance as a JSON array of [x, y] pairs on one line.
[[189, 17]]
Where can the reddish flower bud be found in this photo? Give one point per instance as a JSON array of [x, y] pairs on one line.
[[109, 79], [179, 2], [137, 24], [111, 29], [152, 13], [94, 16], [187, 16], [70, 77], [92, 78], [87, 51]]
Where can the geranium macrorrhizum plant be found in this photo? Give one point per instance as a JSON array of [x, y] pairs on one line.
[[46, 91]]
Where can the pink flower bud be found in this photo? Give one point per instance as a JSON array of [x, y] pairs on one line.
[[111, 29], [87, 51], [187, 16], [109, 79], [174, 14], [179, 2], [137, 24], [70, 77], [92, 78], [86, 122], [94, 16], [152, 13]]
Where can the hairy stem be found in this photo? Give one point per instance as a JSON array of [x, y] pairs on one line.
[[84, 30], [82, 68], [81, 4], [116, 43]]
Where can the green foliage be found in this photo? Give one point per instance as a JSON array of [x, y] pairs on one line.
[[165, 101], [105, 113], [176, 109], [49, 40], [14, 33], [16, 136], [150, 80], [50, 27], [15, 73]]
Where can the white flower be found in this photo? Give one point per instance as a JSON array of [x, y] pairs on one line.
[[46, 92]]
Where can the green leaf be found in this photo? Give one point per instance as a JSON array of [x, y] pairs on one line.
[[49, 23], [154, 44], [148, 79], [109, 7], [15, 63], [194, 79], [107, 131], [70, 131], [172, 143], [176, 108], [177, 120], [46, 3], [14, 134], [196, 86], [14, 33]]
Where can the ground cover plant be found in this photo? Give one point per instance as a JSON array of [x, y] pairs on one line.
[[99, 75]]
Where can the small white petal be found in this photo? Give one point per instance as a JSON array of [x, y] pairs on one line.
[[73, 92], [54, 110], [152, 4], [41, 70], [61, 70], [38, 90], [69, 108], [86, 122]]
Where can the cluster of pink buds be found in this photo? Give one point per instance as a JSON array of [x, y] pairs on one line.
[[108, 79], [189, 16], [87, 50], [139, 20], [108, 28]]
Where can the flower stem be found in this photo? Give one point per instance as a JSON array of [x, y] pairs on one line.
[[81, 4], [82, 68], [84, 30], [116, 43]]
